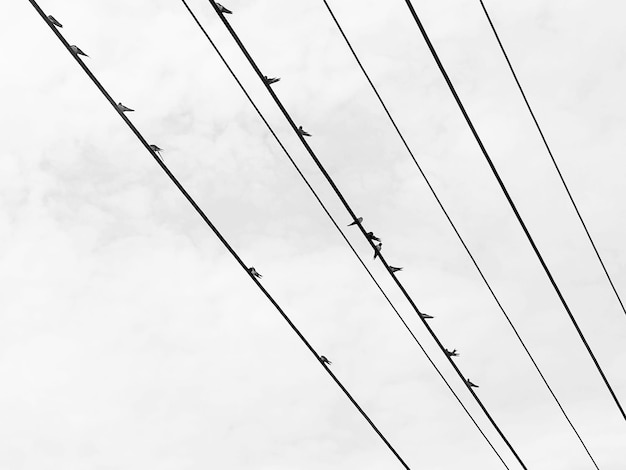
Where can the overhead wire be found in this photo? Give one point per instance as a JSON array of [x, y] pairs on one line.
[[454, 228], [556, 166], [354, 217], [286, 152], [513, 206], [217, 233]]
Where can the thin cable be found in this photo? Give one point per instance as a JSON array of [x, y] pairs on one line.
[[206, 35], [512, 204], [467, 250], [354, 217], [218, 234], [545, 143]]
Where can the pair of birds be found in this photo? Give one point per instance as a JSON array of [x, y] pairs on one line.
[[377, 247]]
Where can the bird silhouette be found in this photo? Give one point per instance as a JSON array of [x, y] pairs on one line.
[[302, 132], [393, 269], [469, 383], [123, 108], [54, 21], [270, 80], [452, 353], [324, 360], [254, 272], [156, 149], [371, 236], [377, 249], [356, 222], [76, 50], [223, 9], [425, 316]]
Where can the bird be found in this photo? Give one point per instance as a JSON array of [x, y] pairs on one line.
[[377, 249], [53, 20], [156, 149], [469, 383], [303, 133], [76, 50], [356, 222], [223, 9], [253, 271], [452, 353], [123, 108], [324, 360], [371, 236], [393, 269], [270, 80], [425, 316]]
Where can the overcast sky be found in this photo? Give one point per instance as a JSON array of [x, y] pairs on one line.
[[131, 339]]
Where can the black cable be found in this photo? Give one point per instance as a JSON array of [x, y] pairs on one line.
[[216, 232], [206, 35], [354, 217], [467, 250], [512, 204], [558, 170]]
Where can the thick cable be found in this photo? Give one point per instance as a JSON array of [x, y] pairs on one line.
[[354, 217], [556, 166], [467, 250], [218, 234], [512, 204], [286, 152]]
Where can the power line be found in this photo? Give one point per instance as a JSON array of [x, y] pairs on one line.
[[354, 217], [206, 35], [467, 250], [556, 166], [217, 233], [512, 204]]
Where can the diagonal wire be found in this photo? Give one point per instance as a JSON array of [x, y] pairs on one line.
[[354, 217], [216, 232], [467, 250], [513, 207], [285, 151], [556, 167]]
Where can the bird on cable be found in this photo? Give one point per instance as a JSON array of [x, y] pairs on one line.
[[469, 383], [371, 236], [270, 80], [302, 132], [377, 249], [393, 269], [324, 360], [53, 20], [76, 50], [223, 9], [356, 222], [452, 353], [425, 316], [156, 149], [254, 272], [123, 108]]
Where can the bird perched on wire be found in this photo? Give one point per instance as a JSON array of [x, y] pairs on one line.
[[76, 50], [254, 272], [156, 149], [393, 269], [371, 236], [425, 316], [270, 80], [324, 360], [54, 21], [356, 222], [469, 383], [377, 249], [123, 108], [302, 132], [452, 353], [223, 9]]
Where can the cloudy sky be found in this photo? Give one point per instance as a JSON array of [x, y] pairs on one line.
[[130, 338]]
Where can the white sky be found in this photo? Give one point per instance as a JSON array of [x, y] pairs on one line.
[[129, 337]]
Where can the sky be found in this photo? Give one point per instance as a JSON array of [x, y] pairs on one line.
[[130, 337]]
